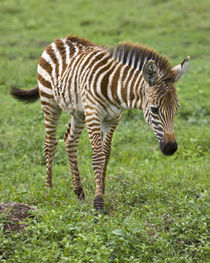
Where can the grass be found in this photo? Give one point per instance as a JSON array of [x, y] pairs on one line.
[[156, 205]]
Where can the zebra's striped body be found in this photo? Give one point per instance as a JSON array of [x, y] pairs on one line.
[[94, 85]]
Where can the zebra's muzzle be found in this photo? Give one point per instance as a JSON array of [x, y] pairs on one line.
[[168, 148]]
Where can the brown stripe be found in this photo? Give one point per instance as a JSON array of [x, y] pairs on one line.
[[49, 126], [80, 41], [75, 83], [65, 76], [127, 82], [71, 46], [90, 66], [49, 120], [43, 94], [61, 48], [93, 102], [68, 79], [47, 110], [46, 103], [136, 90], [105, 81], [51, 53], [51, 132], [104, 61], [114, 84], [45, 65], [95, 66], [132, 91], [124, 87], [43, 81], [96, 95], [104, 85]]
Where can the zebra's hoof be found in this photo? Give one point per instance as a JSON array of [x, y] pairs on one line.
[[99, 203], [49, 185], [80, 194]]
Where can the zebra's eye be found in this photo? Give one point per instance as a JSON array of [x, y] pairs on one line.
[[154, 110]]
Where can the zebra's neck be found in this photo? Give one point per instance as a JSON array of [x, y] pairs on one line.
[[127, 86]]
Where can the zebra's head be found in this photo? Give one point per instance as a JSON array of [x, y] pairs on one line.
[[161, 102]]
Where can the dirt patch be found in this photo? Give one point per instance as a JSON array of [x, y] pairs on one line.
[[13, 214]]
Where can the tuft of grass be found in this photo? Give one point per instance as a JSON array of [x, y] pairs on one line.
[[156, 205]]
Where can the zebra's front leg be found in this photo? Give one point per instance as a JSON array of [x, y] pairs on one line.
[[71, 139], [98, 159], [107, 134]]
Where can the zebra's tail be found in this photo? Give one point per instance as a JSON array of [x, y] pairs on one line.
[[27, 96]]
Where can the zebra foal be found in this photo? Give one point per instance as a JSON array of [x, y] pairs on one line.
[[94, 84]]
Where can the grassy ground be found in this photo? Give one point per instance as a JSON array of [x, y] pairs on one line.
[[157, 206]]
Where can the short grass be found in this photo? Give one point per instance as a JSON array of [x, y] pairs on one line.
[[156, 205]]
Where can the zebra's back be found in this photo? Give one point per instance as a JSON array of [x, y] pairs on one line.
[[66, 70]]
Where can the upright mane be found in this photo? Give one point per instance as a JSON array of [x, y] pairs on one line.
[[136, 55]]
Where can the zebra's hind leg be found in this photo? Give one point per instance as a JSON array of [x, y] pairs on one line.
[[107, 140], [51, 116], [71, 139]]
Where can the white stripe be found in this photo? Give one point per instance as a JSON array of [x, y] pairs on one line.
[[129, 88], [67, 51], [47, 57], [96, 72], [98, 84], [93, 67], [133, 61], [138, 64], [124, 82], [66, 83], [60, 62], [45, 75], [88, 110], [87, 74], [140, 87], [45, 89], [128, 57], [135, 88], [159, 132], [85, 70], [74, 76], [103, 74]]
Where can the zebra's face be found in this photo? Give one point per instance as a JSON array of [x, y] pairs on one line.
[[159, 114], [161, 102]]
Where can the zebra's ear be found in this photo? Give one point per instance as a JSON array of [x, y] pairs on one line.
[[150, 72], [181, 69]]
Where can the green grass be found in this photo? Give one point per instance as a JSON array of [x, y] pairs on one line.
[[156, 205]]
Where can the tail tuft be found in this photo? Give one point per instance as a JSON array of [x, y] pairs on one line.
[[27, 96]]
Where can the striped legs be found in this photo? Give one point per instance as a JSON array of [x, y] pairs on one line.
[[107, 140], [71, 139], [101, 146], [98, 158], [51, 116]]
